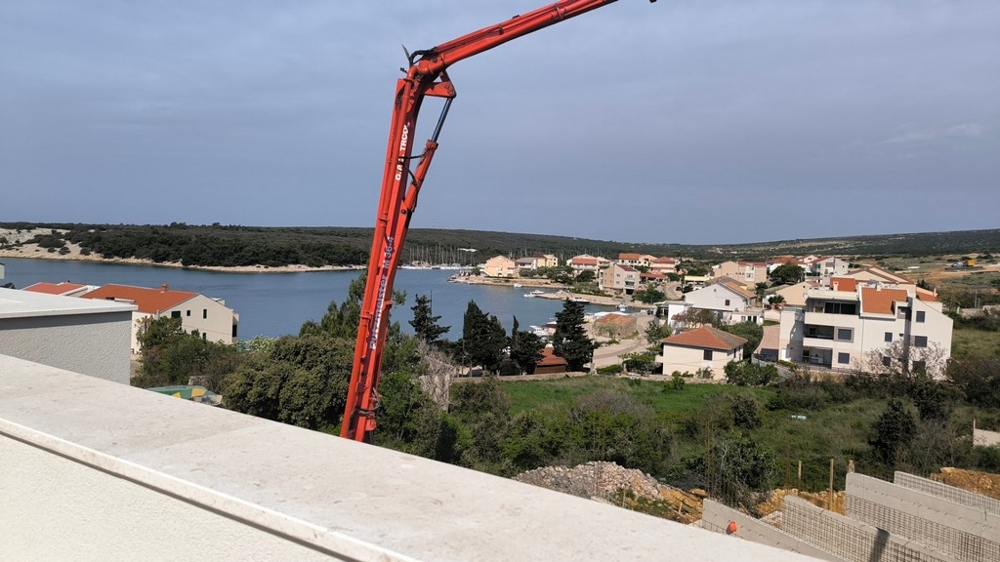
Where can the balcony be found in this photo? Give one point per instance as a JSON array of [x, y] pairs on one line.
[[95, 470]]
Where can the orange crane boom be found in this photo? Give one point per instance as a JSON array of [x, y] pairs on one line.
[[426, 76]]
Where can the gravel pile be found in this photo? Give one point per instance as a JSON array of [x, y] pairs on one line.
[[596, 479]]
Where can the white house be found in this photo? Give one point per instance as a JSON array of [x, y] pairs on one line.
[[827, 267], [850, 323], [701, 348], [210, 317], [728, 299]]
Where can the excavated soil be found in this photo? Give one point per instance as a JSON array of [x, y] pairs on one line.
[[979, 482]]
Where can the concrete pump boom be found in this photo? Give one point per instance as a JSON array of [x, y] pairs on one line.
[[426, 76]]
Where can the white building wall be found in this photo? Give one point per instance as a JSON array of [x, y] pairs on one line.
[[67, 333], [714, 297], [208, 316], [691, 359]]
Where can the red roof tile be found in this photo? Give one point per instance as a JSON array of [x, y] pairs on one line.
[[54, 288], [706, 337], [550, 359], [616, 319], [848, 284], [150, 301], [879, 301]]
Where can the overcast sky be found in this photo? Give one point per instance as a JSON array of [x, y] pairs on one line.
[[691, 121]]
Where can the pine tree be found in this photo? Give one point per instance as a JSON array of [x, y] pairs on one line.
[[570, 340], [525, 348], [424, 325], [483, 339]]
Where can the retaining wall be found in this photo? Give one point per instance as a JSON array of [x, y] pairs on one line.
[[964, 532], [947, 492], [849, 539]]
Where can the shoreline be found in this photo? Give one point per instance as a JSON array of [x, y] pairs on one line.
[[559, 291], [40, 254]]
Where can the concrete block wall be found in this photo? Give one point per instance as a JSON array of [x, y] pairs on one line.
[[849, 539], [716, 517], [964, 532], [947, 492], [985, 438]]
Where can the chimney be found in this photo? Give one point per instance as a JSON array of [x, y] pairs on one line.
[[164, 288], [836, 285]]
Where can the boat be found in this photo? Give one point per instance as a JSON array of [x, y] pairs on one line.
[[579, 299], [517, 285], [534, 293]]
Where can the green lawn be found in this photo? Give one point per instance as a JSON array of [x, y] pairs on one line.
[[967, 341]]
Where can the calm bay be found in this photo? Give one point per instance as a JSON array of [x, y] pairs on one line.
[[276, 304]]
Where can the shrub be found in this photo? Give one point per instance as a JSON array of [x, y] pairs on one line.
[[609, 370]]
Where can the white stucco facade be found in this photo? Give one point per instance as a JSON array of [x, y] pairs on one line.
[[88, 337]]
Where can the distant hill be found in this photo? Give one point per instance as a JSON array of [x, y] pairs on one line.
[[233, 245]]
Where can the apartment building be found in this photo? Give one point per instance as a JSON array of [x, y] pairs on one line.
[[500, 266], [587, 262], [854, 324], [746, 272], [620, 277]]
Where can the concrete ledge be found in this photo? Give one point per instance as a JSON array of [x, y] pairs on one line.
[[334, 497], [716, 516]]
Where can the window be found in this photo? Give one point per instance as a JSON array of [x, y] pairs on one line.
[[888, 337], [204, 313], [921, 315], [188, 313], [840, 308], [204, 336], [175, 314], [727, 302], [843, 358], [887, 361], [845, 334], [919, 341], [920, 367], [707, 356]]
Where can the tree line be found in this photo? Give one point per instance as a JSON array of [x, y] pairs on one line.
[[239, 245]]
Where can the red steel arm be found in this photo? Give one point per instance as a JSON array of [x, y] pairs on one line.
[[426, 76]]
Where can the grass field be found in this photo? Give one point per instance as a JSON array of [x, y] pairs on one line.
[[966, 341], [835, 430], [671, 404]]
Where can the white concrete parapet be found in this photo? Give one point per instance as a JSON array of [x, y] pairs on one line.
[[92, 470]]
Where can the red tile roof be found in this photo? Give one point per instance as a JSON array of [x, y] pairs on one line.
[[879, 301], [706, 337], [54, 288], [629, 256], [616, 319], [925, 295], [550, 359], [583, 261], [848, 284], [150, 301]]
